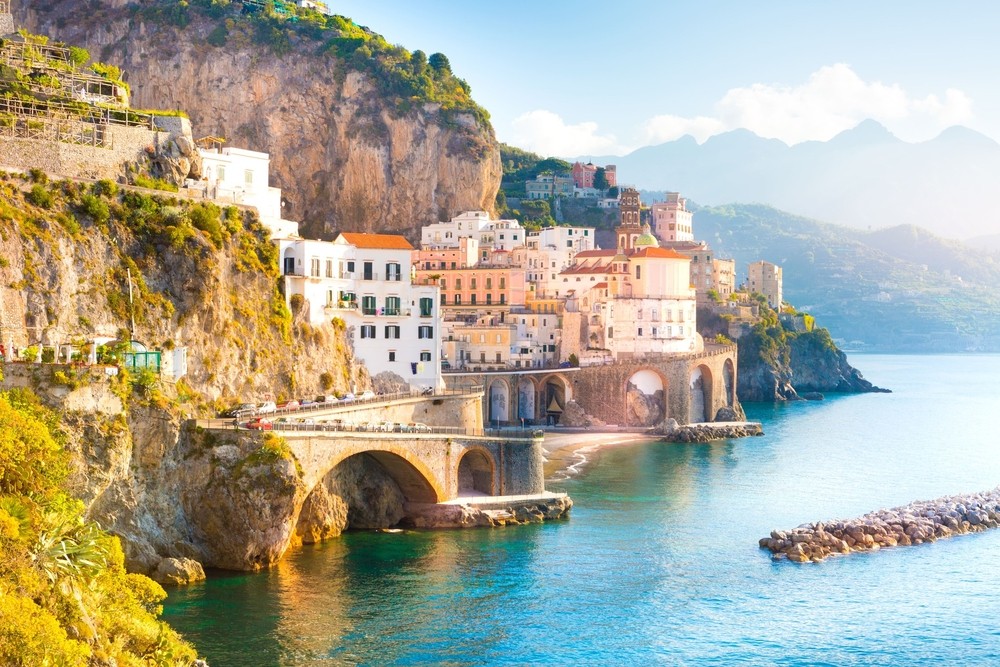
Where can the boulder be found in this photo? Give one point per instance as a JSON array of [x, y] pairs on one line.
[[178, 571]]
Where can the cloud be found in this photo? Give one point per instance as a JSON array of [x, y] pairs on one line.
[[546, 133], [833, 99]]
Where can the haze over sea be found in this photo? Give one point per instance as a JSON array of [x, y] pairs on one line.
[[659, 563]]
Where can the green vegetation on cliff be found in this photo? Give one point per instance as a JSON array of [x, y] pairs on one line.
[[406, 78], [65, 598]]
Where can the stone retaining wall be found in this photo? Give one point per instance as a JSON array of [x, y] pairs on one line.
[[916, 523]]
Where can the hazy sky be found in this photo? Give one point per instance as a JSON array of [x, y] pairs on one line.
[[595, 78]]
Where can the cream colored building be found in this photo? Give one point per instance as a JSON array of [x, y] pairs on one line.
[[765, 278]]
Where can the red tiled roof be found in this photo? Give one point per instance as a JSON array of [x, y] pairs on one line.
[[377, 241]]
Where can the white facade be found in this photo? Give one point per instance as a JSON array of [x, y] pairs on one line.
[[239, 176], [364, 279], [548, 252], [497, 234]]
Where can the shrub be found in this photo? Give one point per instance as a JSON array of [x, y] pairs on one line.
[[296, 301], [39, 196], [326, 380], [37, 175], [105, 188], [97, 209]]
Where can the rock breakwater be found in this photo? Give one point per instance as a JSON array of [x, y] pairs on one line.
[[920, 521], [706, 432]]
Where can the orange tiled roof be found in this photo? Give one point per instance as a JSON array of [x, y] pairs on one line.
[[377, 241], [665, 253]]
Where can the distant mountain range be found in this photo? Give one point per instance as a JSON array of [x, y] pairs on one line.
[[900, 289], [864, 177]]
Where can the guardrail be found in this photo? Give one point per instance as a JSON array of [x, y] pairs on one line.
[[377, 398], [391, 428]]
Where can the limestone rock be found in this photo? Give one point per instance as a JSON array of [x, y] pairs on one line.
[[178, 571]]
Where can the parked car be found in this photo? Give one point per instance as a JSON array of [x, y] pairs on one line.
[[260, 424], [304, 402], [330, 398], [348, 397], [417, 427], [266, 407], [367, 395], [241, 410], [289, 405]]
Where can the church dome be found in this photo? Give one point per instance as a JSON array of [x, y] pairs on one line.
[[646, 239]]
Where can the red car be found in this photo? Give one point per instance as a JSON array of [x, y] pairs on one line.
[[260, 424]]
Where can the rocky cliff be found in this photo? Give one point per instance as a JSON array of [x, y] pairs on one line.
[[775, 365], [345, 156]]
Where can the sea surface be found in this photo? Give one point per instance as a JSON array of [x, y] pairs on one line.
[[658, 563]]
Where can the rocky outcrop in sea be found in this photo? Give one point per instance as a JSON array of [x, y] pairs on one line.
[[916, 523], [707, 432]]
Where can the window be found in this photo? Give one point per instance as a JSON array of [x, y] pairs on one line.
[[569, 244], [489, 283], [503, 299], [638, 272], [392, 331], [638, 315], [482, 357], [444, 283], [503, 282], [222, 172], [482, 338], [426, 306], [472, 299], [499, 360], [329, 268], [453, 266], [489, 299], [369, 274], [314, 267], [425, 356], [458, 299], [392, 304], [350, 266], [458, 283], [425, 331], [472, 284], [392, 271], [499, 338], [654, 332], [248, 178], [611, 332], [367, 330], [640, 331], [392, 355], [368, 305]]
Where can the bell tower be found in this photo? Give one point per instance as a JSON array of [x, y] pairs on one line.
[[629, 228]]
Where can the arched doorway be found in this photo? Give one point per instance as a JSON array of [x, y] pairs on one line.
[[526, 401], [475, 474], [700, 395], [288, 265], [729, 380], [554, 394], [645, 398], [499, 402]]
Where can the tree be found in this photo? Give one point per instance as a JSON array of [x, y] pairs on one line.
[[440, 63], [418, 59], [600, 179]]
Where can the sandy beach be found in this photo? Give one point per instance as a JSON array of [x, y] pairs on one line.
[[567, 452]]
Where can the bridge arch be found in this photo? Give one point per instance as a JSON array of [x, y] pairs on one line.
[[701, 394], [415, 480], [476, 472], [499, 401], [527, 395], [554, 392], [645, 397]]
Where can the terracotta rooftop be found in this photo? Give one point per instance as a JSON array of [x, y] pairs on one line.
[[665, 253], [377, 241]]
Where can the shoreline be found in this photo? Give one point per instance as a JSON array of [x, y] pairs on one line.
[[566, 452]]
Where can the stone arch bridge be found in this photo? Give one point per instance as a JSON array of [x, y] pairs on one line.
[[633, 392]]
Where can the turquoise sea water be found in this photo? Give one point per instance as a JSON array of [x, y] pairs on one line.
[[659, 563]]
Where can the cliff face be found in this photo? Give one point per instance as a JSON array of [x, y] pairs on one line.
[[342, 158], [790, 366]]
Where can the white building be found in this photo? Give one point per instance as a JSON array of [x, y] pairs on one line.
[[497, 234], [239, 176], [364, 279], [548, 252]]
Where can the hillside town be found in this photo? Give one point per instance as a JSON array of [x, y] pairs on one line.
[[483, 294]]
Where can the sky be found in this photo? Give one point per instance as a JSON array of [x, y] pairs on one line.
[[605, 78]]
